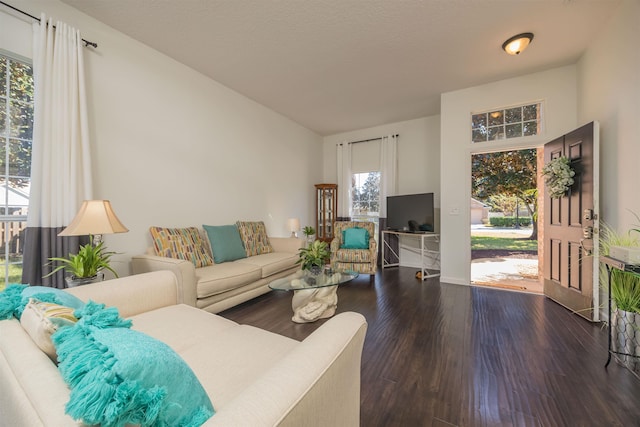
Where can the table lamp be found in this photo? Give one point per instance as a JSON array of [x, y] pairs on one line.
[[294, 226], [95, 218]]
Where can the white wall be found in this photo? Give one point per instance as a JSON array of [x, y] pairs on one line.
[[418, 153], [172, 147], [555, 88], [609, 91]]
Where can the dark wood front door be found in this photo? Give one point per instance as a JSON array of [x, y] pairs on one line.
[[571, 224]]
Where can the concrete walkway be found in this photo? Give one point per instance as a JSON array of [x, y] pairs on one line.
[[504, 272]]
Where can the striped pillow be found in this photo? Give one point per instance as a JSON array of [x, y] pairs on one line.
[[254, 237], [181, 243], [42, 319]]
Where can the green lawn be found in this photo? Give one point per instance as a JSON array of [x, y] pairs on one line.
[[482, 242], [15, 274]]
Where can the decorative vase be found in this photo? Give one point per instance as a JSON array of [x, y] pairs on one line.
[[625, 330], [73, 281]]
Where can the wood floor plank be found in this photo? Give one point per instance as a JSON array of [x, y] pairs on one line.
[[448, 355]]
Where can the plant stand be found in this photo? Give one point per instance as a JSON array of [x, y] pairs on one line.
[[627, 328]]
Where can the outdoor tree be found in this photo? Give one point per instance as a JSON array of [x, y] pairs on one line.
[[508, 173], [366, 196], [19, 121]]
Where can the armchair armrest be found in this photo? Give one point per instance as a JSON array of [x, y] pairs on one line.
[[286, 244], [184, 271]]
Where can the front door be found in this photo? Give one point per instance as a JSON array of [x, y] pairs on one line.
[[571, 224]]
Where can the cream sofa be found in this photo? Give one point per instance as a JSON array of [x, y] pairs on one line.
[[218, 287], [253, 377]]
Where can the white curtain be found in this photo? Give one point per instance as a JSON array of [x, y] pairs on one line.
[[61, 161], [388, 170], [344, 179]]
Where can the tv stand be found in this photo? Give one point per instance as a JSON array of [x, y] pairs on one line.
[[429, 251]]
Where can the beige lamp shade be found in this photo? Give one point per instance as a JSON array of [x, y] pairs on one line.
[[94, 217], [294, 224]]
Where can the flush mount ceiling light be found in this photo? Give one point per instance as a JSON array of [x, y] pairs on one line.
[[517, 44]]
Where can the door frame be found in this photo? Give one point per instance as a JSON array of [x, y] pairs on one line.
[[530, 145]]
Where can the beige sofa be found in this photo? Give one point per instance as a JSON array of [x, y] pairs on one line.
[[253, 377], [218, 287]]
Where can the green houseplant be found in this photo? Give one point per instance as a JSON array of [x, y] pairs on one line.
[[314, 256], [86, 265], [309, 232], [625, 296]]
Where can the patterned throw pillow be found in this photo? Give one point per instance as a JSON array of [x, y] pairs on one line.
[[42, 319], [181, 243], [254, 237]]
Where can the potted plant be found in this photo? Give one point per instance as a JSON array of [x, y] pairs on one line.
[[86, 266], [625, 295], [309, 232], [314, 256]]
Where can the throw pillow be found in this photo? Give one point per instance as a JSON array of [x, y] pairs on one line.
[[254, 236], [119, 376], [43, 319], [15, 297], [225, 242], [355, 238], [181, 243]]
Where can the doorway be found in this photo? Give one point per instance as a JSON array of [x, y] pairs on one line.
[[504, 220]]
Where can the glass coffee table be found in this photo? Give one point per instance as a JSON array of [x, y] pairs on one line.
[[314, 296]]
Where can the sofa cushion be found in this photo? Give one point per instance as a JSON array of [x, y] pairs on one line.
[[42, 319], [254, 236], [181, 243], [223, 277], [119, 376], [272, 263], [353, 255], [245, 352], [225, 242]]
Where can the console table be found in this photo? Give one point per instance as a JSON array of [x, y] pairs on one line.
[[429, 251]]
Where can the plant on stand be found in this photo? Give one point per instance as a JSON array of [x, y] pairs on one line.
[[309, 232], [625, 295], [86, 266], [314, 256]]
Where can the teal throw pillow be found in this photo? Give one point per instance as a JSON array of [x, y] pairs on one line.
[[15, 297], [355, 238], [225, 241], [120, 376]]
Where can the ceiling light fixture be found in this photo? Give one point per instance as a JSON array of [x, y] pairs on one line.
[[517, 44]]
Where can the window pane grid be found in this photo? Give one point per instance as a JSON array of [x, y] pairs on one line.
[[513, 122]]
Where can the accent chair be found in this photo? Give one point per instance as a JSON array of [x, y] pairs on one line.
[[356, 253]]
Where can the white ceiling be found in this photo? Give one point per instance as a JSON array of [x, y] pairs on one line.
[[340, 65]]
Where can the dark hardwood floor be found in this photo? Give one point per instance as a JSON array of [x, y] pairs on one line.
[[448, 355]]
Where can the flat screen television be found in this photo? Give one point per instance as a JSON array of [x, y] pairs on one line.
[[411, 212]]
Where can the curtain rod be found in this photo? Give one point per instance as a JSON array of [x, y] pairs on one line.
[[86, 42], [367, 140]]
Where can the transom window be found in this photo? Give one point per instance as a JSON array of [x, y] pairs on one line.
[[512, 122], [16, 135]]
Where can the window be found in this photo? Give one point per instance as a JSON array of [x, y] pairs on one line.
[[365, 197], [513, 122], [16, 135]]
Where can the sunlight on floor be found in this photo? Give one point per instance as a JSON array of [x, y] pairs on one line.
[[506, 273]]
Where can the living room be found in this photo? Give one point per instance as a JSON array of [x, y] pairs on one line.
[[182, 137], [172, 147]]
